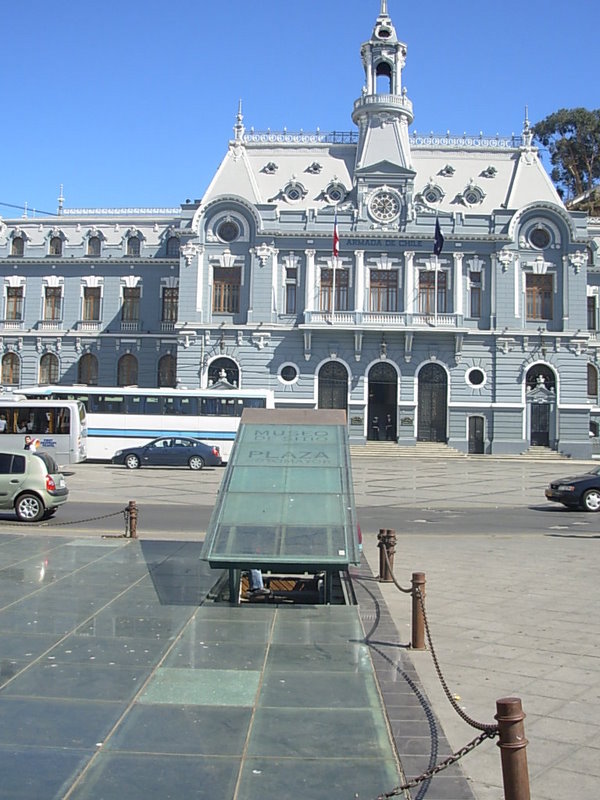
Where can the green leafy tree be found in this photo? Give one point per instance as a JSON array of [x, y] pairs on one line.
[[572, 137]]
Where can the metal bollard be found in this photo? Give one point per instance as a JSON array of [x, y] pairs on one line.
[[132, 519], [387, 546], [418, 620], [512, 744]]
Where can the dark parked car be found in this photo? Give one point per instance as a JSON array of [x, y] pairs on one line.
[[169, 451], [579, 491]]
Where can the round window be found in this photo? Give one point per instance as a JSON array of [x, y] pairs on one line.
[[476, 377], [472, 198], [289, 373], [539, 237], [228, 231], [335, 193]]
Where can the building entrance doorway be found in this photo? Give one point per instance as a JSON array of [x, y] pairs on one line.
[[333, 386], [383, 403], [433, 404], [476, 434], [541, 405], [540, 424]]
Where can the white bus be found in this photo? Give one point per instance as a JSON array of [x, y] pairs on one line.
[[60, 426], [120, 417]]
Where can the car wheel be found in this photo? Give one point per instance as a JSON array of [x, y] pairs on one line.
[[591, 500], [29, 508], [132, 461], [196, 462]]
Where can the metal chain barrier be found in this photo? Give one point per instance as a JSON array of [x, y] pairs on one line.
[[447, 762], [383, 548], [54, 524], [488, 731], [481, 726]]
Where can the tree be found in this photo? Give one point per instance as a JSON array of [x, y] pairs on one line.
[[572, 136]]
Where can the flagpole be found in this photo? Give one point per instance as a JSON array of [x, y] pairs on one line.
[[334, 258], [438, 244], [435, 290]]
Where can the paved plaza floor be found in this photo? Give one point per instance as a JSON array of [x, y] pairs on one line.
[[118, 679]]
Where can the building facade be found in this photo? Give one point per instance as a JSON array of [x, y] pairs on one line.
[[486, 341]]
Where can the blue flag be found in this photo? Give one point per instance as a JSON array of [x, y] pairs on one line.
[[438, 239]]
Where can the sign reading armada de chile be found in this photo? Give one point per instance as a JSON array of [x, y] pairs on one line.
[[384, 243]]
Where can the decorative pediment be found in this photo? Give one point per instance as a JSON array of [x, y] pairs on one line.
[[384, 168]]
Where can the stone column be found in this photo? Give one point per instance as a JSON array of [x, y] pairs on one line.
[[409, 282], [359, 282], [458, 284], [310, 282], [275, 284]]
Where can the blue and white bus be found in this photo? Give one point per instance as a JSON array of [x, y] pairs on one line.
[[120, 417], [60, 426]]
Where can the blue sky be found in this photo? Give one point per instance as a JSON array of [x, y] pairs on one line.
[[132, 103]]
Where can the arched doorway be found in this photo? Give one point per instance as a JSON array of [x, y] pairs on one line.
[[333, 386], [383, 402], [541, 405], [433, 404]]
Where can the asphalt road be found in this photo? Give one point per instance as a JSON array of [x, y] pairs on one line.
[[410, 496]]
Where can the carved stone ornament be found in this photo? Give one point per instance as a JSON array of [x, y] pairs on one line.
[[263, 252], [578, 260], [504, 344], [260, 339], [189, 251], [506, 258]]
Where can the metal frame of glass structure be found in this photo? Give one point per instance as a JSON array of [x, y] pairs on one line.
[[286, 503]]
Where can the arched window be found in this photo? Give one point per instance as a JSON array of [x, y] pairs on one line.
[[18, 246], [167, 371], [592, 381], [540, 374], [87, 370], [173, 247], [11, 369], [56, 246], [223, 369], [333, 385], [94, 246], [133, 246], [49, 368], [127, 371]]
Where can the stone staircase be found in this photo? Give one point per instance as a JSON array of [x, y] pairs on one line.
[[537, 453], [393, 450], [438, 450]]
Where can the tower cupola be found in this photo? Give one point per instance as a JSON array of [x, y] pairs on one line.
[[383, 103]]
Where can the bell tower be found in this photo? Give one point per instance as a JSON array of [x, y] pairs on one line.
[[383, 113]]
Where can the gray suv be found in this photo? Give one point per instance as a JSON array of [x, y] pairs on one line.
[[31, 484]]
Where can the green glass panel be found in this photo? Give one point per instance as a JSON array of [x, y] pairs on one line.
[[286, 497]]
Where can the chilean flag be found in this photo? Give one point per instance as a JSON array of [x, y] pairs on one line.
[[336, 236]]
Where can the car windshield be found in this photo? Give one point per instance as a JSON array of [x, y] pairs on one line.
[[50, 463]]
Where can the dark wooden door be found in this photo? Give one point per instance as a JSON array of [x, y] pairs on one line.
[[433, 404], [475, 434], [333, 386], [540, 424]]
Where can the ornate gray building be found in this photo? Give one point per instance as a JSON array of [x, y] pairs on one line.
[[489, 345]]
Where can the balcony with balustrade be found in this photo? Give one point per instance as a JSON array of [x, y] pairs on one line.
[[382, 320]]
